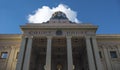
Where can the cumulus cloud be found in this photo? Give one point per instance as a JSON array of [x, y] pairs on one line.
[[45, 13]]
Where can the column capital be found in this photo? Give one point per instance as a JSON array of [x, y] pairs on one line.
[[68, 37], [49, 37], [94, 37], [87, 37], [24, 36], [105, 47], [12, 47], [27, 36], [90, 36], [30, 37]]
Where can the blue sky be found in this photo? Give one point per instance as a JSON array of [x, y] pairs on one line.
[[104, 13]]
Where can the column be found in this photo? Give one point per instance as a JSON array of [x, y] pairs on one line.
[[69, 54], [21, 54], [27, 54], [11, 58], [96, 54], [107, 60], [91, 62], [118, 46], [48, 54]]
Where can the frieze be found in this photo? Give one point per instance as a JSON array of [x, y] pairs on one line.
[[9, 43], [107, 46], [108, 43], [55, 33], [8, 47], [5, 47]]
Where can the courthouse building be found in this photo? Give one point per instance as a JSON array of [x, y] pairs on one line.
[[59, 44]]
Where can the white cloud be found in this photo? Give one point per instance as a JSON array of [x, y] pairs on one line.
[[45, 13]]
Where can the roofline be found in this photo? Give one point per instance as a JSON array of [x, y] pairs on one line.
[[108, 36], [54, 26], [10, 36]]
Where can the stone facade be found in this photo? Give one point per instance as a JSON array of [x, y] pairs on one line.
[[9, 44], [59, 45]]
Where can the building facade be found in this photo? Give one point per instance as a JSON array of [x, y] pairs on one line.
[[59, 44]]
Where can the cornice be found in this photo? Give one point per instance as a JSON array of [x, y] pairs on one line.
[[108, 36], [10, 36], [59, 26]]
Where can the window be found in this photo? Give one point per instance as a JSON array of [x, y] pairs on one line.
[[100, 54], [113, 54], [17, 55], [4, 55]]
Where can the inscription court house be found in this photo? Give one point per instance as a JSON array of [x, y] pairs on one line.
[[59, 44]]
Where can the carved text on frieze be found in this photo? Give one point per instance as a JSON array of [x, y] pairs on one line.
[[65, 33]]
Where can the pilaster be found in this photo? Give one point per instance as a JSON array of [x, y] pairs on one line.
[[108, 63], [11, 57]]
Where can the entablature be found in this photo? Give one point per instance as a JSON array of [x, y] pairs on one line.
[[58, 29], [58, 32], [108, 37]]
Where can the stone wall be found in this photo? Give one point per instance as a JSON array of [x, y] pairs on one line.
[[9, 48], [109, 47]]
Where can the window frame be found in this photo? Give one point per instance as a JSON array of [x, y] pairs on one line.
[[100, 54], [115, 54], [4, 55]]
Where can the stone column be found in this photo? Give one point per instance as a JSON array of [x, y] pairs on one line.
[[107, 60], [69, 54], [48, 53], [21, 54], [96, 54], [27, 54], [11, 58], [90, 56], [118, 47]]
